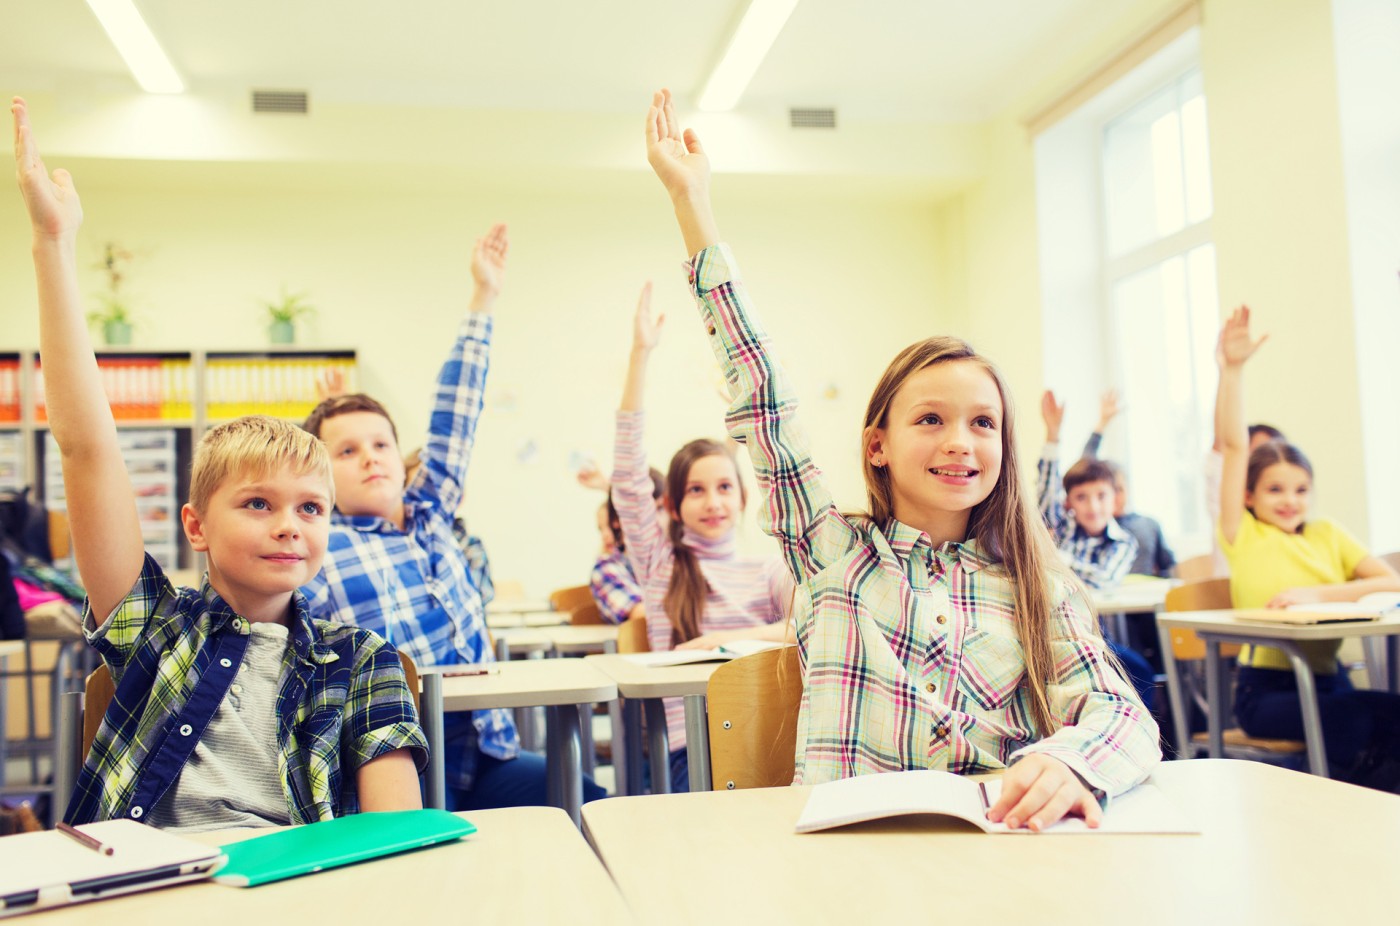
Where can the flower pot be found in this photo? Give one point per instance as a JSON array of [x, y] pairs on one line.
[[116, 332], [282, 332]]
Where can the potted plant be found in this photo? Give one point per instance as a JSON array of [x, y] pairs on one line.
[[282, 316], [115, 315]]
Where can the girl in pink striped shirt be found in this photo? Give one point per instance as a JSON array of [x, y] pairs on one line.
[[697, 590]]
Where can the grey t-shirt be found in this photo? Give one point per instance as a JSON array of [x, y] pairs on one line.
[[232, 778]]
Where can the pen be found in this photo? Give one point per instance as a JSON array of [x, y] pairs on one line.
[[982, 790], [85, 839], [461, 672]]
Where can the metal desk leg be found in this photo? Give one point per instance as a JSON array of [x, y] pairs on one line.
[[659, 746], [1181, 722], [1215, 697], [1307, 697], [1377, 666], [563, 760], [697, 742], [1392, 662], [431, 717], [5, 713], [585, 729], [631, 771], [66, 761]]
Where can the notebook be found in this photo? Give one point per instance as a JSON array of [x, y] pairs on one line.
[[302, 850], [50, 869], [1339, 613], [684, 657]]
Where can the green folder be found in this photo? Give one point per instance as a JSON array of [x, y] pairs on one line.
[[302, 850]]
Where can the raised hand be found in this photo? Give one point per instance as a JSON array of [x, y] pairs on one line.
[[1108, 408], [676, 156], [54, 209], [1236, 345], [489, 261], [330, 384], [1053, 414], [646, 332]]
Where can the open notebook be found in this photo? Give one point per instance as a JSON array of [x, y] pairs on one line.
[[50, 869], [684, 657], [1369, 608]]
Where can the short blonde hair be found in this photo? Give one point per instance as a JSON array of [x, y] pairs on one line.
[[255, 445]]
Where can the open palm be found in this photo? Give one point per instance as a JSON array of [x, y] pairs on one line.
[[54, 209], [489, 259], [676, 156], [1236, 343], [646, 331]]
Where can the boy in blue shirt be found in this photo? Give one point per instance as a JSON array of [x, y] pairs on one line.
[[232, 707], [394, 563]]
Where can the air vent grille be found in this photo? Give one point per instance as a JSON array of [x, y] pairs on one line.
[[808, 118], [279, 101]]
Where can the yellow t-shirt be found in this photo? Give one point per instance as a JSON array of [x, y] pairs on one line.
[[1265, 560]]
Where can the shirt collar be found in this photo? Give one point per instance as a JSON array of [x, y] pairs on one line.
[[910, 542], [1114, 531], [720, 548], [305, 641]]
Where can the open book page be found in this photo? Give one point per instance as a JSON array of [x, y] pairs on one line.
[[681, 657], [1145, 809]]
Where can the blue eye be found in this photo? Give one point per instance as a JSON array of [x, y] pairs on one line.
[[257, 504], [312, 508], [985, 422], [930, 419]]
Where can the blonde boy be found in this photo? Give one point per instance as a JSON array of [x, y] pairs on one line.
[[232, 706]]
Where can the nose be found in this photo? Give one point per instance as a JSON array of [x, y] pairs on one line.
[[285, 526], [955, 439]]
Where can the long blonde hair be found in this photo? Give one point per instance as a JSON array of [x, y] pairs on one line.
[[1004, 524]]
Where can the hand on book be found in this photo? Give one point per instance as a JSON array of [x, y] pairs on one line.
[[1038, 791]]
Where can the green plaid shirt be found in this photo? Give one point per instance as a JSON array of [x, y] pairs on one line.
[[173, 652], [910, 654]]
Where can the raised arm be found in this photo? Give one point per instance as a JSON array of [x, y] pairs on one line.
[[101, 505], [461, 385], [1235, 347], [796, 508], [1050, 493], [631, 490], [1108, 410]]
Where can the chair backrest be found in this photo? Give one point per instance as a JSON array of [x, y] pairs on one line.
[[753, 704], [586, 614], [566, 599], [1209, 595], [1196, 568], [632, 636], [99, 692], [1392, 560]]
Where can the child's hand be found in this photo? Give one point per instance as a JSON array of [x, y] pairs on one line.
[[330, 384], [1236, 345], [54, 209], [1108, 408], [676, 156], [1291, 596], [591, 477], [1038, 791], [489, 261], [1053, 413], [646, 333]]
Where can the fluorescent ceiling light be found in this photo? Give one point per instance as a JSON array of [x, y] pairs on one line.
[[137, 46], [762, 22]]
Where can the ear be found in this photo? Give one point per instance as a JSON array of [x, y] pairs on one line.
[[875, 446], [194, 528]]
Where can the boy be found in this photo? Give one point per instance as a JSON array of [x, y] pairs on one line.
[[217, 721], [1154, 557], [394, 563]]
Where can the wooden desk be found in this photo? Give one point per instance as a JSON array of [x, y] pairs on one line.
[[523, 612], [1217, 627], [559, 685], [646, 686], [561, 639], [1143, 596], [1277, 847], [492, 876]]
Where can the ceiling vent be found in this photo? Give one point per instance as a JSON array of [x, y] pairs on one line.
[[279, 101], [812, 118]]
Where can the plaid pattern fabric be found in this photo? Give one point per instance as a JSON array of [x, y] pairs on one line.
[[910, 653], [414, 586], [173, 652], [1100, 561], [614, 588]]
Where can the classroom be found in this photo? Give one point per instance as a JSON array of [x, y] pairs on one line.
[[1082, 190]]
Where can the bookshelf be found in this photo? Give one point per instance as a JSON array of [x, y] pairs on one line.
[[163, 402]]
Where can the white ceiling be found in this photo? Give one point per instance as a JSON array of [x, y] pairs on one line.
[[899, 60]]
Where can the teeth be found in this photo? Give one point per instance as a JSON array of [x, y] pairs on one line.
[[950, 472]]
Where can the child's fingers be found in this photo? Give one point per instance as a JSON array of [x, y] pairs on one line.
[[1060, 803], [692, 142]]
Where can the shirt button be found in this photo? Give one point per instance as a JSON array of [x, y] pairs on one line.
[[186, 730], [236, 689], [225, 662], [136, 813], [930, 688], [942, 619], [712, 329]]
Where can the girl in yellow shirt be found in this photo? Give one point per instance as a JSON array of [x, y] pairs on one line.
[[1278, 558]]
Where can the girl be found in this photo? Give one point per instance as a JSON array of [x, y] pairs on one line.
[[939, 631], [697, 591], [1277, 558]]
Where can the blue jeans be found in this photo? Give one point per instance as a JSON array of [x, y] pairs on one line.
[[518, 782], [1139, 671], [680, 772]]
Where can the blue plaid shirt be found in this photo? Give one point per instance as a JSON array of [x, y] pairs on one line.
[[1100, 560], [414, 586], [173, 653]]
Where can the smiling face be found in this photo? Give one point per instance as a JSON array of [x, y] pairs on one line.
[[369, 473], [941, 445], [264, 535], [1280, 496], [710, 498]]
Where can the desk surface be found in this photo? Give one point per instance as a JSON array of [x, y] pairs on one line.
[[523, 865], [524, 683], [566, 638], [11, 648], [1143, 596], [638, 681], [1277, 846], [1224, 621]]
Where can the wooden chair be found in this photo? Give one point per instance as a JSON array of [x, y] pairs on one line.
[[632, 636], [1189, 652], [753, 704], [100, 691], [565, 600], [1196, 569], [586, 614]]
